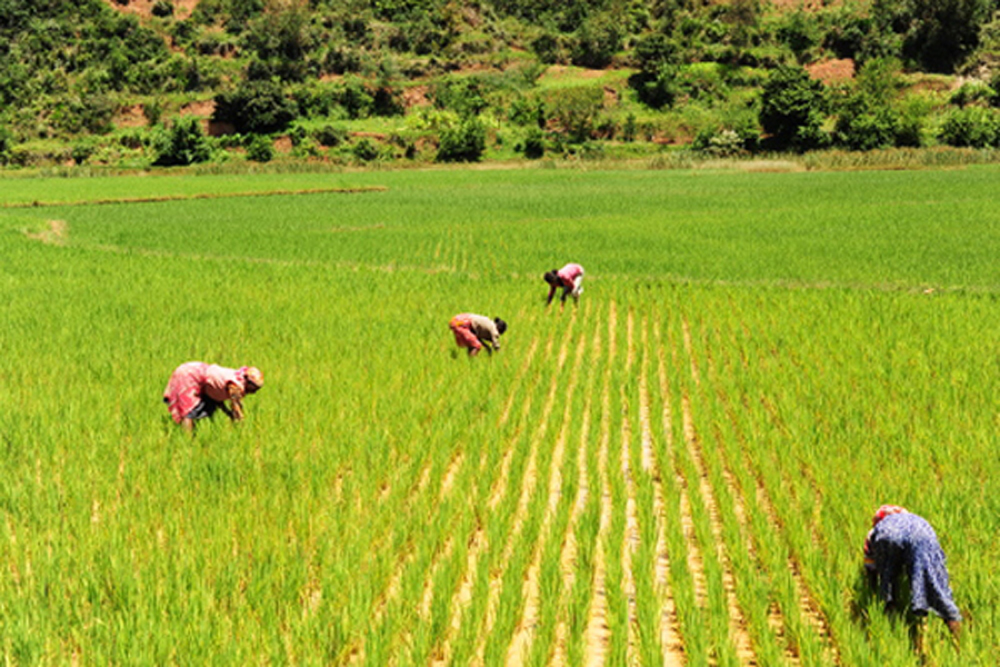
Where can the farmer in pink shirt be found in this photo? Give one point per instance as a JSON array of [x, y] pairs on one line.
[[196, 390], [569, 277]]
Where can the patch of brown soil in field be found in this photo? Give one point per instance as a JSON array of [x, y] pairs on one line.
[[54, 234], [832, 71]]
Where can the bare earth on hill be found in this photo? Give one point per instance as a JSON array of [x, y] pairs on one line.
[[144, 8]]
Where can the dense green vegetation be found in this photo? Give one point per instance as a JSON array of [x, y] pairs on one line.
[[107, 82], [757, 362]]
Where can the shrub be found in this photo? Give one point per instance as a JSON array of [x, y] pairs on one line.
[[81, 151], [464, 143], [6, 144], [549, 48], [355, 98], [576, 110], [465, 96], [365, 150], [260, 148], [658, 89], [596, 42], [792, 108], [525, 111], [864, 126], [629, 128], [163, 8], [974, 127], [255, 107], [152, 111], [972, 92], [330, 136], [799, 31], [184, 143], [534, 144]]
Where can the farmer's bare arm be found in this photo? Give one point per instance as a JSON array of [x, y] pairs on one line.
[[236, 398]]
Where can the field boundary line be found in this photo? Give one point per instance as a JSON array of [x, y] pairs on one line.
[[155, 199]]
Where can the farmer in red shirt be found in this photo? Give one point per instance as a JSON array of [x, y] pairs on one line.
[[196, 390], [569, 277], [474, 332]]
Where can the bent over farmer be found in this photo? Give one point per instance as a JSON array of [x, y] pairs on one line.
[[196, 390], [474, 332], [901, 542], [569, 278]]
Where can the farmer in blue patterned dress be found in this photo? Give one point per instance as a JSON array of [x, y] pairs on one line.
[[898, 542]]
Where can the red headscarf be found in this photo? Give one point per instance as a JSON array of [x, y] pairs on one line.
[[886, 510]]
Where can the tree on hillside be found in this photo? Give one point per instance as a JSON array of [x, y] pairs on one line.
[[938, 35], [255, 107], [792, 109]]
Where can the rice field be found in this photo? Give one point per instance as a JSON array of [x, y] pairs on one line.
[[678, 470]]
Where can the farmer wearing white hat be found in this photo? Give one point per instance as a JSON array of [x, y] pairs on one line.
[[196, 390]]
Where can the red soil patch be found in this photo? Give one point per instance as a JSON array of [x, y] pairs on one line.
[[204, 109], [808, 5], [130, 116], [832, 71], [561, 70], [372, 135], [415, 96], [283, 145], [144, 8]]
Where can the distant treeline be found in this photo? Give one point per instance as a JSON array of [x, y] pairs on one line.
[[66, 69]]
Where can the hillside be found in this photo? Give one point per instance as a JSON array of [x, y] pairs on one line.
[[133, 83]]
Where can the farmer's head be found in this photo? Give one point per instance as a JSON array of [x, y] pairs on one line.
[[551, 277], [254, 379], [501, 325]]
